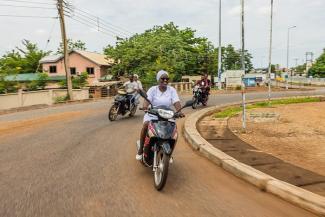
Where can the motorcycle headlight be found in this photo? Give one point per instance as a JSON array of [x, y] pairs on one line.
[[165, 113]]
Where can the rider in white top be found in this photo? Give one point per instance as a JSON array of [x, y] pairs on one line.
[[158, 98], [136, 79], [160, 95], [131, 88]]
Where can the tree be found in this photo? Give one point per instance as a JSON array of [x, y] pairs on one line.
[[318, 69], [22, 60], [232, 59], [301, 68], [166, 47], [72, 45], [175, 50]]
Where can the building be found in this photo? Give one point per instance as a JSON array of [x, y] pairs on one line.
[[95, 64], [254, 79], [230, 78]]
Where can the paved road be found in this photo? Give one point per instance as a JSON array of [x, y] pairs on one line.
[[71, 161]]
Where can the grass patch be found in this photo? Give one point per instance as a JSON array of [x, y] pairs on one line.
[[60, 99], [232, 111]]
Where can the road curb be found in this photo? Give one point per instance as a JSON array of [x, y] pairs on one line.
[[42, 106], [293, 194]]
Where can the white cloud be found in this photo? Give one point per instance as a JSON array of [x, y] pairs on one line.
[[40, 32]]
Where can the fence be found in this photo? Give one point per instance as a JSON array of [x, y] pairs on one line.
[[182, 86], [308, 81], [48, 97]]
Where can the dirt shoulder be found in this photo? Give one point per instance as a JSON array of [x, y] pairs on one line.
[[293, 133]]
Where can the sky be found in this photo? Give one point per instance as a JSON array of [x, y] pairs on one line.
[[137, 16]]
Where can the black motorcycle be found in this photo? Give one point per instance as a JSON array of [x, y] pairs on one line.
[[160, 141], [199, 97], [123, 104]]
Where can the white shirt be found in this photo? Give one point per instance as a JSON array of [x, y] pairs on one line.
[[130, 87], [158, 98]]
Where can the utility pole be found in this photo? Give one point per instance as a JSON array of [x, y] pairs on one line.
[[270, 53], [243, 65], [219, 50], [65, 49], [288, 46], [309, 60]]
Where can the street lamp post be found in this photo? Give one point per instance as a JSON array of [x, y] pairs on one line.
[[288, 45], [270, 53], [219, 50]]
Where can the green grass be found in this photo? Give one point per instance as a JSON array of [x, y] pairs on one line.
[[232, 111]]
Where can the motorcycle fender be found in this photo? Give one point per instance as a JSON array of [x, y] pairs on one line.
[[166, 147]]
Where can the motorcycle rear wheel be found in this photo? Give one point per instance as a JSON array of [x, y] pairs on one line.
[[112, 114], [161, 173]]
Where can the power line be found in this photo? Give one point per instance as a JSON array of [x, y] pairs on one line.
[[24, 6], [99, 24], [91, 26], [25, 16], [104, 21], [73, 9], [29, 2]]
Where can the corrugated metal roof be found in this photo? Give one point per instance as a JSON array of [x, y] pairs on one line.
[[100, 59], [31, 77], [51, 58]]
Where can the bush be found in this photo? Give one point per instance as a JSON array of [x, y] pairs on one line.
[[77, 81], [60, 99], [40, 83]]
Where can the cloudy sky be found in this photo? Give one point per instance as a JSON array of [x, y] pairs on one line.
[[135, 16]]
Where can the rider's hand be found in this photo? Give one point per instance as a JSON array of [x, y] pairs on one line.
[[181, 114]]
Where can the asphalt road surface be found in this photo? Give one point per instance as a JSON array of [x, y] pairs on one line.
[[71, 161]]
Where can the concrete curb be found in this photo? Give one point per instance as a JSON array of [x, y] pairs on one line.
[[41, 106], [293, 194]]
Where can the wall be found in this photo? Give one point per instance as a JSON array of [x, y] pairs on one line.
[[309, 81], [182, 86], [48, 97]]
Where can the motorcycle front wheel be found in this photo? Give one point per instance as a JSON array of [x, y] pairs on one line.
[[133, 111], [112, 114], [161, 172]]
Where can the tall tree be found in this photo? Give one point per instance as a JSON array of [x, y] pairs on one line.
[[72, 45], [318, 69]]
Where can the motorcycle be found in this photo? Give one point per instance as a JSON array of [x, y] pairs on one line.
[[121, 106], [160, 141], [198, 96]]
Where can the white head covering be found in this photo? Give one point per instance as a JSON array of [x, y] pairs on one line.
[[161, 73], [135, 75]]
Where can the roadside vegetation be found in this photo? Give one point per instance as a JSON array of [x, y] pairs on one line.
[[178, 51], [235, 110]]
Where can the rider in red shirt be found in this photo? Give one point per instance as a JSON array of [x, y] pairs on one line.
[[205, 85]]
